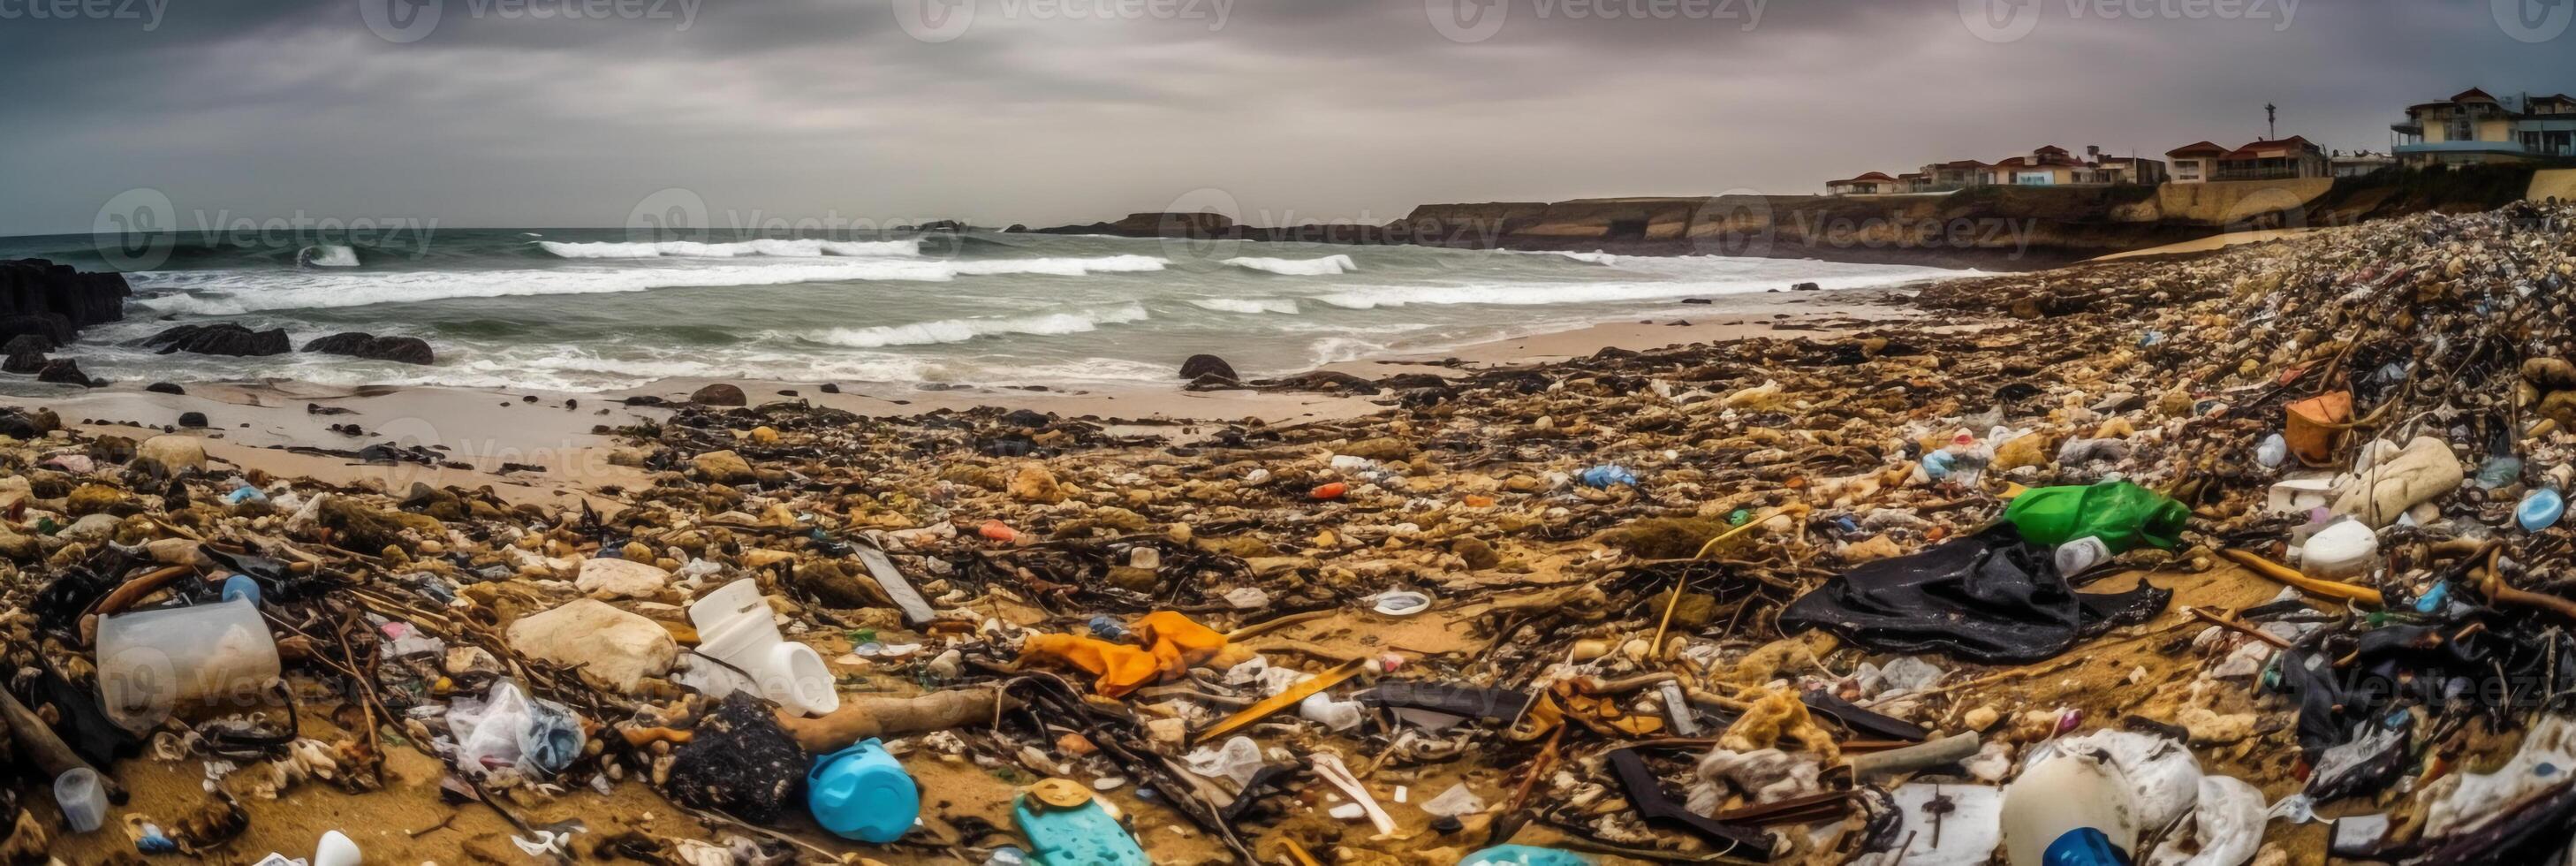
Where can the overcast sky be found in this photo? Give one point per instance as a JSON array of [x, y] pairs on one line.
[[571, 112]]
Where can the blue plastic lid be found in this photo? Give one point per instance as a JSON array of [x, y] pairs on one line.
[[862, 793], [2083, 846], [241, 587]]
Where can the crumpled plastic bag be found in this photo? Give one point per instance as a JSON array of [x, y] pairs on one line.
[[1986, 597], [508, 729]]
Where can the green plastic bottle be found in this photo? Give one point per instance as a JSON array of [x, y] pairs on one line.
[[2122, 514]]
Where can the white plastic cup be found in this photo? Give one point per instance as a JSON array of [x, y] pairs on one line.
[[83, 798]]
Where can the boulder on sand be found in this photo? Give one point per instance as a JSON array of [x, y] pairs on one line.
[[620, 578], [173, 452], [222, 339], [613, 648], [64, 371], [356, 344], [1206, 365], [719, 394]]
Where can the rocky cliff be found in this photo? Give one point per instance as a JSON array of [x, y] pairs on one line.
[[1994, 227], [54, 301]]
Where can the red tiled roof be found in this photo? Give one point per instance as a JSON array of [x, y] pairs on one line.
[[2198, 148], [2470, 94], [1872, 177], [1963, 163]]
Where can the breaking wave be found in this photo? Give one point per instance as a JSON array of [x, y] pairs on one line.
[[222, 293], [800, 249], [1317, 267], [327, 256], [961, 330], [1247, 305]]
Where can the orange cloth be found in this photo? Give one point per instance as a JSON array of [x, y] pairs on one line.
[[1172, 644]]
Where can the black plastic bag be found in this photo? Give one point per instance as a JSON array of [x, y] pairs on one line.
[[1987, 598]]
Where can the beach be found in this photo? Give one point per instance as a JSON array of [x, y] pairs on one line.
[[1591, 513]]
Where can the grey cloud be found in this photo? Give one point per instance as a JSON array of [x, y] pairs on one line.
[[1326, 109]]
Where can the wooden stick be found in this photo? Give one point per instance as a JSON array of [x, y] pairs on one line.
[[2310, 585], [43, 748], [2232, 624]]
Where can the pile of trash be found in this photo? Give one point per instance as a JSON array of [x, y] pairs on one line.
[[2214, 561]]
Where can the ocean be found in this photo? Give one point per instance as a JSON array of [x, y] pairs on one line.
[[592, 310]]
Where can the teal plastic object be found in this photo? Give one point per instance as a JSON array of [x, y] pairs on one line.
[[1524, 855], [2124, 515], [1084, 835], [862, 793]]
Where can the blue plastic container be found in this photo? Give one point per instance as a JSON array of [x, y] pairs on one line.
[[862, 793], [1524, 855], [1082, 835]]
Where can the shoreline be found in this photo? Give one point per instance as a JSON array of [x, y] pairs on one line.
[[277, 425]]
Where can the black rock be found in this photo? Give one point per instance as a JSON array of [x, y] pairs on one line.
[[223, 339], [1805, 287], [192, 419], [1204, 365], [720, 394], [407, 350], [828, 388], [29, 343], [17, 426], [23, 362], [56, 301], [64, 371], [1025, 418], [164, 388]]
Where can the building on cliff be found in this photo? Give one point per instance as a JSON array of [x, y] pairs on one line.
[[2476, 127], [1873, 183], [2054, 166], [2283, 159]]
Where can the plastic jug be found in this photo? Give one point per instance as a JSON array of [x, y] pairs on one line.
[[862, 793], [734, 628], [151, 662], [2122, 514], [2072, 810], [1066, 827]]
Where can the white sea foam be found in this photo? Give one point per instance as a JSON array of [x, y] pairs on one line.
[[327, 256], [1596, 257], [800, 249], [1317, 267], [961, 330], [219, 293], [1536, 294], [1247, 305]]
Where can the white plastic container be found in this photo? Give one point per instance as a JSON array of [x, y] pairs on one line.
[[83, 799], [2342, 549], [734, 627], [336, 849], [152, 662]]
